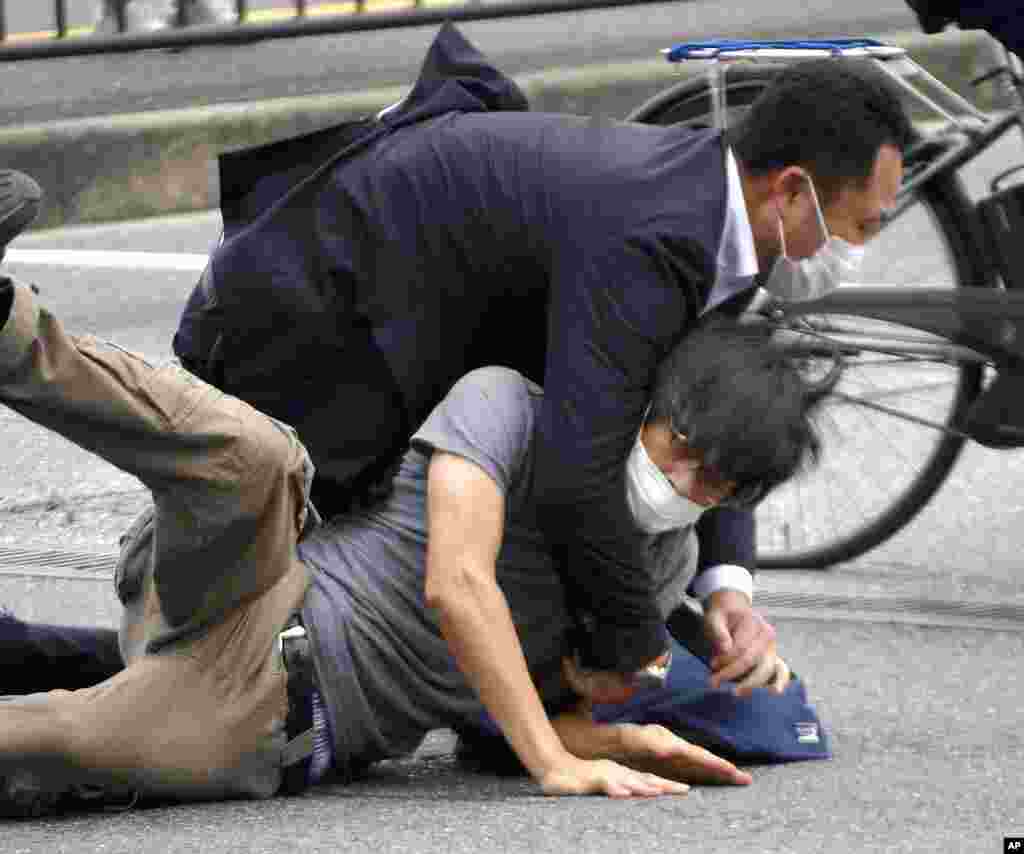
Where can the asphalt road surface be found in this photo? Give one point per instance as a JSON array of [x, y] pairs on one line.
[[42, 90]]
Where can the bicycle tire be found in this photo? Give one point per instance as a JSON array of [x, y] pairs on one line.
[[689, 102]]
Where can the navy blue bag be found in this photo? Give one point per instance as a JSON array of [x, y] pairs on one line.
[[764, 728]]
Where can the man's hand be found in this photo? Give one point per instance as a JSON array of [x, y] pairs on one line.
[[744, 645], [605, 777], [644, 748], [660, 751]]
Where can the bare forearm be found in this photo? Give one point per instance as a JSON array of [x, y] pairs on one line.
[[476, 622]]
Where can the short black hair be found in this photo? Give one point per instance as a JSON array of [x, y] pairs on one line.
[[742, 402], [830, 116]]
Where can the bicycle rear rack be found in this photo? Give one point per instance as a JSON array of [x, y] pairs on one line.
[[958, 114]]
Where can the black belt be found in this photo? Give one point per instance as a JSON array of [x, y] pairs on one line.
[[298, 661]]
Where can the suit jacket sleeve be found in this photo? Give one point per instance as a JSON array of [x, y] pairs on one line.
[[614, 315], [726, 536]]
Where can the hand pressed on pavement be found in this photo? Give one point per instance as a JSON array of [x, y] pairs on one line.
[[654, 748], [649, 748], [605, 777]]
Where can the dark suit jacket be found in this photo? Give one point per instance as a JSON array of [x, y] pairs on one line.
[[365, 268]]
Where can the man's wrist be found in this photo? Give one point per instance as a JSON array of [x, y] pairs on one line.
[[723, 577], [625, 741]]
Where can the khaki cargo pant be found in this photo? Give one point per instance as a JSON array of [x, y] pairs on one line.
[[208, 577]]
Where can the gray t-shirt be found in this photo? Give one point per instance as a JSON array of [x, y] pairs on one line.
[[385, 671]]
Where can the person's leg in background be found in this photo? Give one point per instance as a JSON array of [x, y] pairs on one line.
[[148, 15], [1000, 18]]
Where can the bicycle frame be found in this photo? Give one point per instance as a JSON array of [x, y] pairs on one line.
[[977, 326], [954, 145], [982, 324]]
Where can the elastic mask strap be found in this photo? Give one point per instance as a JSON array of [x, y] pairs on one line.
[[782, 235], [643, 420], [818, 210]]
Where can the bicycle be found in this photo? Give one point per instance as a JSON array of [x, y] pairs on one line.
[[925, 362]]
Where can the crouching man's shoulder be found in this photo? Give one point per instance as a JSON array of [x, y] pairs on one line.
[[488, 416]]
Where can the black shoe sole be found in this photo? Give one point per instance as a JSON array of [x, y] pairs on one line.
[[24, 198]]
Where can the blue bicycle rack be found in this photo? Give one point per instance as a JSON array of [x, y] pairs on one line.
[[716, 48]]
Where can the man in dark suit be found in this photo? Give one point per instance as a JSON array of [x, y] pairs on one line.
[[365, 268]]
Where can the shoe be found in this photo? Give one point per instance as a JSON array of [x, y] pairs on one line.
[[20, 199], [24, 794]]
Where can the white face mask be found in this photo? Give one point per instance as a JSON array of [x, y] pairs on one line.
[[835, 262], [656, 505]]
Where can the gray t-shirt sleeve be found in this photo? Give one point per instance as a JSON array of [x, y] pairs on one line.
[[488, 418]]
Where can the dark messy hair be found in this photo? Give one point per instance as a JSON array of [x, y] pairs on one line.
[[830, 116], [742, 402]]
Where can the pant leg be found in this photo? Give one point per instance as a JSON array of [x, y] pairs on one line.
[[38, 657], [228, 483], [199, 710]]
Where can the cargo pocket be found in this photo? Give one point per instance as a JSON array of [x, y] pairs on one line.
[[135, 557]]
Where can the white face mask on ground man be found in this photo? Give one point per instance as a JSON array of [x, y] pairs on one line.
[[656, 504]]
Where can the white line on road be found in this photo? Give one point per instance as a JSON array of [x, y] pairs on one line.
[[109, 259]]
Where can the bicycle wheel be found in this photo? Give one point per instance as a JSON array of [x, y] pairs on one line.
[[876, 470]]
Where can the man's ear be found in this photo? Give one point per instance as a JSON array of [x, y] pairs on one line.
[[788, 183]]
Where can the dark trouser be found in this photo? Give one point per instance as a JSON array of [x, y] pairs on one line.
[[1000, 17], [38, 657]]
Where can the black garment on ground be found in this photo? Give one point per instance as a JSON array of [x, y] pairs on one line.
[[39, 657]]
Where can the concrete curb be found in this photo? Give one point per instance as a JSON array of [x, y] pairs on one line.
[[109, 168]]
